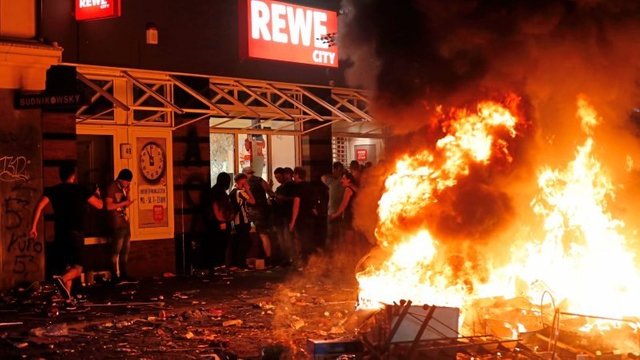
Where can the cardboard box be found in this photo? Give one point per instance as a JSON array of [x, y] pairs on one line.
[[444, 324]]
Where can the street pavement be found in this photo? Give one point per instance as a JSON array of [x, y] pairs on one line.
[[259, 314]]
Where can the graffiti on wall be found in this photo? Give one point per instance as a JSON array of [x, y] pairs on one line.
[[13, 168], [21, 257], [22, 252]]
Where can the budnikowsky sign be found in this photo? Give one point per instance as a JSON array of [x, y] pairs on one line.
[[44, 100]]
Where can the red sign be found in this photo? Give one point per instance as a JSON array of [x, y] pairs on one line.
[[97, 9], [288, 32], [361, 154], [158, 213]]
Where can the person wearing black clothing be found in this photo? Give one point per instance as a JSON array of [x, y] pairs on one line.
[[282, 207], [218, 247], [241, 197], [303, 213], [69, 201], [321, 212]]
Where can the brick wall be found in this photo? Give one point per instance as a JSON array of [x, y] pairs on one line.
[[21, 258]]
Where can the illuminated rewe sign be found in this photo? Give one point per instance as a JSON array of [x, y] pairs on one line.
[[288, 32], [97, 9]]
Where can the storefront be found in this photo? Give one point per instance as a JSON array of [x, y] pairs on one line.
[[152, 104], [177, 131], [357, 140]]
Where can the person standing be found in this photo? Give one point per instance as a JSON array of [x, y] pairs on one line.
[[356, 170], [336, 192], [343, 216], [240, 197], [222, 215], [302, 214], [259, 212], [69, 201], [117, 201], [282, 205]]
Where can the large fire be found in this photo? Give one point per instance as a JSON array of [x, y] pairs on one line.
[[582, 259]]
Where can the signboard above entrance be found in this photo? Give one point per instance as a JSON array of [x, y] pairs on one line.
[[47, 101], [288, 32], [97, 9]]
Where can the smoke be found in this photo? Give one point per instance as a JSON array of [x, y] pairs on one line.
[[413, 53], [417, 55]]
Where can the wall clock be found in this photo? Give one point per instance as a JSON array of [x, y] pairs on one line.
[[152, 161]]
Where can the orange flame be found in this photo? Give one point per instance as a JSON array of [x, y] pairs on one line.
[[417, 179], [582, 258], [411, 270]]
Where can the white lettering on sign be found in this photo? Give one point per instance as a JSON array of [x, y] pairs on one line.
[[287, 24], [288, 32], [320, 28], [300, 24], [324, 57], [102, 4], [279, 24], [260, 21]]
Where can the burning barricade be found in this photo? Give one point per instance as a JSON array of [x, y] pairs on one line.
[[566, 283]]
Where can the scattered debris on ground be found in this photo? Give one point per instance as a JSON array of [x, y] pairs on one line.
[[220, 314]]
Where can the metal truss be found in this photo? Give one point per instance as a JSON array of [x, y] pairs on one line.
[[152, 98]]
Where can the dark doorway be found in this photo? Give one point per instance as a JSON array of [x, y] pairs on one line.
[[95, 170]]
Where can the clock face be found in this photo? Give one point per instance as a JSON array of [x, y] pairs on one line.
[[152, 161]]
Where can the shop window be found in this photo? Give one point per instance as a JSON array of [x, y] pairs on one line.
[[222, 154], [232, 152]]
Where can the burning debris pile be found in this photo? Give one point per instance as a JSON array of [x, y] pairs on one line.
[[511, 191]]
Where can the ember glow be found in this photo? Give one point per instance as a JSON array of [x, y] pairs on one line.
[[582, 257]]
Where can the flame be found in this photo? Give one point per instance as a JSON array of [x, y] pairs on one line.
[[582, 257], [410, 271], [417, 179]]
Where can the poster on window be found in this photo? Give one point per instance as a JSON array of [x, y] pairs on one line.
[[152, 188], [253, 154]]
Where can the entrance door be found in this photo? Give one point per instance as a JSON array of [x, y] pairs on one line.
[[95, 170]]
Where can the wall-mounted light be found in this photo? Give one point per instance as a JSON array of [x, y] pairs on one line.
[[152, 34]]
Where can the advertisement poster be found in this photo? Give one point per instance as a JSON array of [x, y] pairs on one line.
[[253, 154], [152, 189], [365, 153]]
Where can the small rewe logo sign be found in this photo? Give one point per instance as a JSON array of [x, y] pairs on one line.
[[97, 9], [288, 32], [102, 4]]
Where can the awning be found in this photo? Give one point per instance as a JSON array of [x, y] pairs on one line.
[[154, 98]]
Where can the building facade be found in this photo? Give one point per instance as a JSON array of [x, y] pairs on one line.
[[177, 92]]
